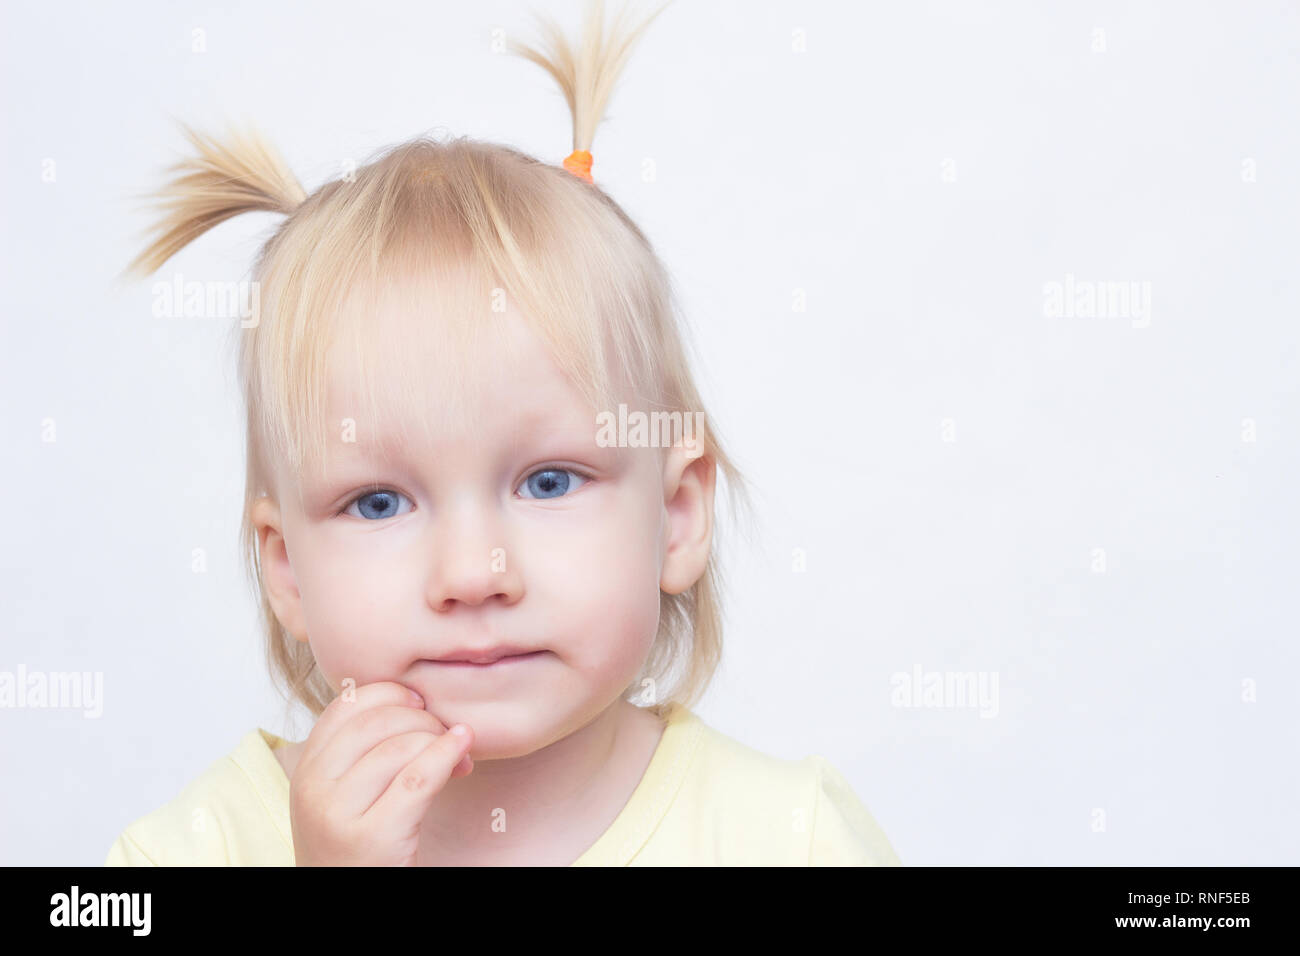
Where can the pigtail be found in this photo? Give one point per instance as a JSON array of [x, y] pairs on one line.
[[586, 75], [221, 180]]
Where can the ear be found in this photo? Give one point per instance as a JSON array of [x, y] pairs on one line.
[[277, 574], [689, 480]]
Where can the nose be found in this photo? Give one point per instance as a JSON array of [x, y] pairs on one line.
[[474, 562]]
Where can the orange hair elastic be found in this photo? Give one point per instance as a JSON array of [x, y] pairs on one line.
[[579, 163]]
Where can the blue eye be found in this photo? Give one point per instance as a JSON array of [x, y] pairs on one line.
[[552, 482], [377, 504]]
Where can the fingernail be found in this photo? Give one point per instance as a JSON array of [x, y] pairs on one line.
[[459, 730], [417, 699]]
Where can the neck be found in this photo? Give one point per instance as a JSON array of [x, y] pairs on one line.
[[543, 803]]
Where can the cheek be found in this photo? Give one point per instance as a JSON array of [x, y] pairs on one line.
[[351, 604], [603, 583]]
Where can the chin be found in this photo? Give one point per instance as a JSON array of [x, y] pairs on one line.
[[502, 730], [494, 746]]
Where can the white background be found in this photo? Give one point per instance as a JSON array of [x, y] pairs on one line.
[[776, 171]]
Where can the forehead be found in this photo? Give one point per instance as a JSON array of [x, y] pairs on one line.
[[415, 364]]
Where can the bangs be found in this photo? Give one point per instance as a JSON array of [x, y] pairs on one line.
[[456, 235]]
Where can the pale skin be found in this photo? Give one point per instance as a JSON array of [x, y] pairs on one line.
[[385, 566]]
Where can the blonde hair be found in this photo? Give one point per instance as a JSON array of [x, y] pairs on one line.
[[480, 219]]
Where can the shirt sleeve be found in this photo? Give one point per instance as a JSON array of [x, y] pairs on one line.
[[126, 852], [843, 831]]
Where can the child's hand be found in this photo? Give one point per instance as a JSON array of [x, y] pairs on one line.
[[368, 773]]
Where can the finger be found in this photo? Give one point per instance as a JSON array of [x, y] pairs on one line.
[[344, 707], [408, 797], [364, 782], [365, 731]]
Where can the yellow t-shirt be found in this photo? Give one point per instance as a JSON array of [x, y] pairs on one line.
[[704, 800]]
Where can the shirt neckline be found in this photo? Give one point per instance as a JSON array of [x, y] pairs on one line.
[[650, 800], [620, 842]]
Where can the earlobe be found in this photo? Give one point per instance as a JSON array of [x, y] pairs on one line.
[[689, 481], [278, 580]]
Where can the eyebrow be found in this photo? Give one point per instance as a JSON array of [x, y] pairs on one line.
[[528, 426]]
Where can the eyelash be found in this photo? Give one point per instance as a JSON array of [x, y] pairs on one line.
[[572, 471], [378, 489]]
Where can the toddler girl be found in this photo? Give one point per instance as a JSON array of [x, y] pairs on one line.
[[499, 617]]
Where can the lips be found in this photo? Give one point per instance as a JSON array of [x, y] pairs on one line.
[[485, 656]]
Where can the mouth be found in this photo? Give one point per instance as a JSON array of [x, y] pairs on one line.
[[502, 657]]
